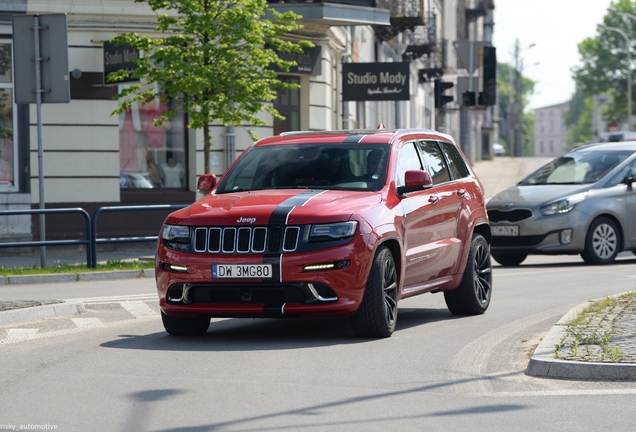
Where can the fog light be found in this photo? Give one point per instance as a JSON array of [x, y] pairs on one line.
[[565, 236]]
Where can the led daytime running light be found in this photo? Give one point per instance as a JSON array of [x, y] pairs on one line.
[[319, 266]]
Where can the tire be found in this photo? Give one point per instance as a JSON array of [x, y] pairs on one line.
[[377, 315], [472, 297], [510, 259], [602, 243], [185, 326]]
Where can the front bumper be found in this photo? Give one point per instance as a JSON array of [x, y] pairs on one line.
[[292, 291], [557, 234]]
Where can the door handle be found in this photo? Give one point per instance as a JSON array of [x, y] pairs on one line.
[[433, 199], [461, 192]]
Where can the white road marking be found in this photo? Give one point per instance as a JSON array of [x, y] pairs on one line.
[[22, 338], [137, 308], [21, 332], [87, 322], [624, 391]]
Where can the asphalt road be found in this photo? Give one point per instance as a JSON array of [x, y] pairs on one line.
[[437, 372]]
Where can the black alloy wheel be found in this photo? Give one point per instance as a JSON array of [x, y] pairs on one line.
[[377, 314], [472, 297]]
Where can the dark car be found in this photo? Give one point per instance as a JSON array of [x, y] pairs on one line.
[[581, 203], [342, 223]]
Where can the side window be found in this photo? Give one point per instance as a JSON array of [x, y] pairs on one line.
[[456, 163], [434, 161], [408, 160], [620, 176]]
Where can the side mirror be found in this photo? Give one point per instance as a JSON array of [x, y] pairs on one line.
[[629, 178], [415, 180], [206, 183]]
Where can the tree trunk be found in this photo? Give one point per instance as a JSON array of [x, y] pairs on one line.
[[207, 143]]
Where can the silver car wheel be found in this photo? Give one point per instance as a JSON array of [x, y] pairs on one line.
[[604, 241]]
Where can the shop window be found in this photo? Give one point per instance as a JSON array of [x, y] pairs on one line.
[[8, 141], [288, 104], [151, 157]]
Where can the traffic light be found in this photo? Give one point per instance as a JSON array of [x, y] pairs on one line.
[[489, 76], [440, 98], [468, 99]]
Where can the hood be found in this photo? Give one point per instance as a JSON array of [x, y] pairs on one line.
[[275, 207], [533, 195]]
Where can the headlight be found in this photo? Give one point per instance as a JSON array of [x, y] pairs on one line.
[[563, 205], [175, 232], [335, 230]]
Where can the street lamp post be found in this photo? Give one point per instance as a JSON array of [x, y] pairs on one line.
[[628, 42]]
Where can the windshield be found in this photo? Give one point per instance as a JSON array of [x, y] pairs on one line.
[[579, 167], [352, 167]]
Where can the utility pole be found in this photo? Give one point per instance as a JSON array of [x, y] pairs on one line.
[[515, 102]]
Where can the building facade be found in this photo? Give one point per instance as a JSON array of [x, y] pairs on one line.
[[550, 130], [91, 158]]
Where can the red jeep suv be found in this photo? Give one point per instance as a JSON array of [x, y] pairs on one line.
[[325, 224]]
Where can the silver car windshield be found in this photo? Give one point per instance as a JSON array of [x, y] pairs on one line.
[[579, 167]]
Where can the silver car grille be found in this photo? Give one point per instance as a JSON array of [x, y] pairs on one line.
[[227, 240]]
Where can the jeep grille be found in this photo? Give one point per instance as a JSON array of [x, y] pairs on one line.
[[246, 239]]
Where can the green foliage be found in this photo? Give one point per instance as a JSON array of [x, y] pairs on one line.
[[213, 58], [506, 76], [605, 61], [579, 119]]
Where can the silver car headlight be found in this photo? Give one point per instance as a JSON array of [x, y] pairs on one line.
[[175, 233], [333, 230], [563, 205]]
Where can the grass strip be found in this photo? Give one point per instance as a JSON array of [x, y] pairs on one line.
[[78, 268]]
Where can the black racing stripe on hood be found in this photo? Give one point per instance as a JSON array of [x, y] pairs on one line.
[[279, 218], [353, 138], [280, 213]]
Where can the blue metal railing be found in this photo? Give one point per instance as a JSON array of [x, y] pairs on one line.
[[91, 240], [86, 241], [124, 239]]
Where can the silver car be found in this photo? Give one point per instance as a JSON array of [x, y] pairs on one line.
[[581, 203]]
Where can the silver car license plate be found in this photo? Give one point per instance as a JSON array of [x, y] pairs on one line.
[[241, 271], [507, 230]]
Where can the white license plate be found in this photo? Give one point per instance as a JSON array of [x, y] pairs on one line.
[[511, 230], [241, 271]]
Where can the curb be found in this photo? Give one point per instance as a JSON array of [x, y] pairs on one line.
[[74, 277], [19, 316], [544, 365]]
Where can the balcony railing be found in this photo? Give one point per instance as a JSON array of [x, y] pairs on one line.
[[434, 64], [405, 15], [365, 3], [422, 40], [334, 12]]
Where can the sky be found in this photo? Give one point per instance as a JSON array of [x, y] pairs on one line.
[[556, 27]]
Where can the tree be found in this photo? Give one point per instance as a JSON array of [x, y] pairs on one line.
[[578, 118], [213, 58], [604, 62], [506, 94]]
